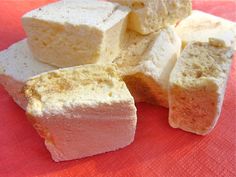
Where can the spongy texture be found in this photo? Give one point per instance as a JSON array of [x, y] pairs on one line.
[[70, 33], [149, 16], [81, 111], [197, 86], [17, 64], [200, 26], [77, 86], [146, 62]]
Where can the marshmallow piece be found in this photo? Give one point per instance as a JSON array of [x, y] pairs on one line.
[[146, 62], [149, 16], [81, 111], [16, 66], [197, 86], [70, 33], [201, 26]]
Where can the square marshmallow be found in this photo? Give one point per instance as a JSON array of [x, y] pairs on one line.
[[70, 33], [17, 64], [197, 86], [81, 111], [148, 16], [146, 62]]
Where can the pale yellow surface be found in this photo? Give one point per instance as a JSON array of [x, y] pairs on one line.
[[81, 111], [90, 85], [201, 26], [71, 33], [197, 86], [146, 62], [148, 16]]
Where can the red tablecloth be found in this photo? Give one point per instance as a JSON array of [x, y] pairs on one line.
[[158, 150]]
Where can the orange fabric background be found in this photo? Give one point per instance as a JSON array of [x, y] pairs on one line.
[[158, 150]]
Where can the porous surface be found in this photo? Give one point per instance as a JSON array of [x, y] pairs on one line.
[[70, 33], [145, 64], [149, 16], [17, 64], [81, 111], [201, 26], [197, 86]]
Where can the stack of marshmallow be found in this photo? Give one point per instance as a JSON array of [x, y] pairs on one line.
[[85, 62]]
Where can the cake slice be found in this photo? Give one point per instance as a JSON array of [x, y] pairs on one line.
[[70, 33], [16, 66], [81, 111], [200, 26], [145, 64], [149, 16], [197, 86]]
